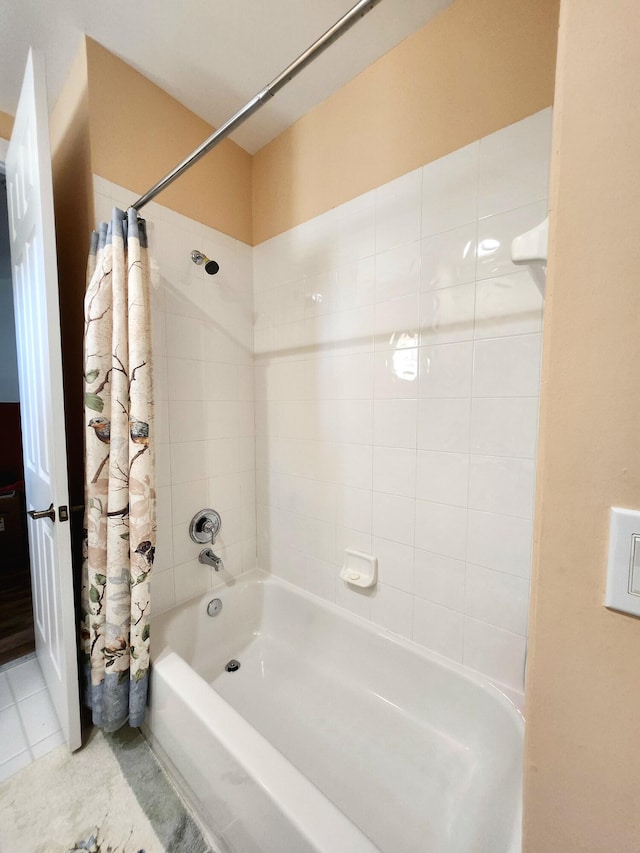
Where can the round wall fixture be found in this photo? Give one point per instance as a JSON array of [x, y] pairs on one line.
[[214, 607], [205, 526]]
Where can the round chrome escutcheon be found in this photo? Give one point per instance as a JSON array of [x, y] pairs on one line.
[[214, 607], [205, 526]]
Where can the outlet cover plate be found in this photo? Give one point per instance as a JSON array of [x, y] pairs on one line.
[[623, 565]]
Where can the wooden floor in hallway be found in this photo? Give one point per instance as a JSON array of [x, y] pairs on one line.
[[17, 636]]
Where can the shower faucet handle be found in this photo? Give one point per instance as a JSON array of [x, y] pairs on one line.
[[205, 526]]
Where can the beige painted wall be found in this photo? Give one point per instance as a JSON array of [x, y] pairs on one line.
[[478, 66], [139, 133], [95, 129], [6, 125], [582, 773], [73, 207]]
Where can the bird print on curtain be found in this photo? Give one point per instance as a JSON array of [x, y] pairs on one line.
[[120, 524]]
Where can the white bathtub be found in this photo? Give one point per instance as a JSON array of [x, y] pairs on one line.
[[333, 736]]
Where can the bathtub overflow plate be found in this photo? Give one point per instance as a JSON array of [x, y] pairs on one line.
[[214, 607], [233, 665]]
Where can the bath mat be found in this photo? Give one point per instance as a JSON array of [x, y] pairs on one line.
[[109, 797], [157, 797]]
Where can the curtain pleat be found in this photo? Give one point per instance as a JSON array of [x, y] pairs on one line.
[[120, 525]]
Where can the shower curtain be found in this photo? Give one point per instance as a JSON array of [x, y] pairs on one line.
[[120, 525]]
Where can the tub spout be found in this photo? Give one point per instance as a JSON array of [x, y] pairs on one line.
[[208, 558]]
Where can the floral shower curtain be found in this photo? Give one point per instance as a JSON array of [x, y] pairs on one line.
[[120, 524]]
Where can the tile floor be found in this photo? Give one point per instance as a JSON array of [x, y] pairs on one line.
[[29, 727]]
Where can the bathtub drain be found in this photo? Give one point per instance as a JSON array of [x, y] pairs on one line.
[[232, 666]]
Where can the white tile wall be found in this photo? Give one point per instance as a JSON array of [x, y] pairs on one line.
[[397, 377], [396, 381], [203, 354]]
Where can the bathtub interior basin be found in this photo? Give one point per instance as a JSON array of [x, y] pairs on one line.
[[416, 753]]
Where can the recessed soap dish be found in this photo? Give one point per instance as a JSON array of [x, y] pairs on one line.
[[359, 569]]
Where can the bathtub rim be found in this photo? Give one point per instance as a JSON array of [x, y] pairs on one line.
[[507, 696], [304, 805], [169, 658]]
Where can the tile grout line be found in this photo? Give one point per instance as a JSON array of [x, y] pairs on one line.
[[470, 409], [22, 725]]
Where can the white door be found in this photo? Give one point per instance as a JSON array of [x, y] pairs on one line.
[[35, 293]]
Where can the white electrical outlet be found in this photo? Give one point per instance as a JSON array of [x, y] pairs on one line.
[[623, 565]]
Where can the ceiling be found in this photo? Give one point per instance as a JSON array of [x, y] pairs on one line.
[[212, 55]]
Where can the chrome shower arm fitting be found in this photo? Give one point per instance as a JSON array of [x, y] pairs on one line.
[[199, 258]]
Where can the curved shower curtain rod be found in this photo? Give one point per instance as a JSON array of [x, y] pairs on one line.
[[332, 34]]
